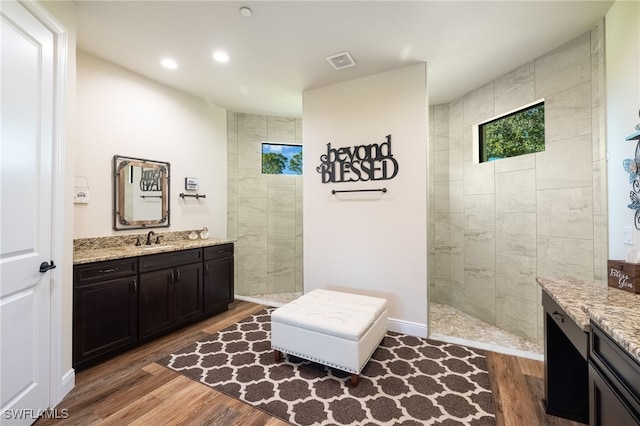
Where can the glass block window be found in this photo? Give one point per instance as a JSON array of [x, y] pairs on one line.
[[517, 133], [281, 159]]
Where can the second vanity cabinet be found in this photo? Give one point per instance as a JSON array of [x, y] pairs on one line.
[[118, 304], [170, 291]]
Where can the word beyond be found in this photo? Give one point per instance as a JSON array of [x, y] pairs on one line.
[[358, 163]]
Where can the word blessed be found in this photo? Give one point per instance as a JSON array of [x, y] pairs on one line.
[[358, 163], [623, 279]]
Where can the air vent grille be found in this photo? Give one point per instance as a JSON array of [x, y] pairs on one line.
[[341, 61]]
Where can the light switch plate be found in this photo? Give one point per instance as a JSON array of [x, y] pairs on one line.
[[81, 195], [628, 235]]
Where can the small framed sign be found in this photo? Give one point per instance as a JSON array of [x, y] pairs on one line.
[[191, 183]]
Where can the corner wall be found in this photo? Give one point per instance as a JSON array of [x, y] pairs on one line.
[[264, 211], [498, 225], [370, 243]]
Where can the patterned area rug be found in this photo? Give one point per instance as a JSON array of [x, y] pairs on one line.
[[408, 381]]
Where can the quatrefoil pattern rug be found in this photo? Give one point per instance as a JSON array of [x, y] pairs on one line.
[[408, 381]]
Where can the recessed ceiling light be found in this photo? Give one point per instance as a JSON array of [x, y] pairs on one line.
[[245, 11], [220, 56], [169, 63]]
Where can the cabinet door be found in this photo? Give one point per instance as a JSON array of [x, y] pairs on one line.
[[218, 284], [105, 318], [156, 302], [607, 407], [188, 292]]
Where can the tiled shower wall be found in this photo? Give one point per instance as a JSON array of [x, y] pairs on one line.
[[264, 211], [496, 226]]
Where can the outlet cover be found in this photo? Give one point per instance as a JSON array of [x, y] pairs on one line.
[[81, 195], [628, 235]]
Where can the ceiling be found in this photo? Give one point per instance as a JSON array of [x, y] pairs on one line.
[[280, 51]]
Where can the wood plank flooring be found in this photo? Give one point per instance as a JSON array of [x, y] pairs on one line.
[[132, 389]]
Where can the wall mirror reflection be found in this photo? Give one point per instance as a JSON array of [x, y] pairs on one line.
[[140, 193]]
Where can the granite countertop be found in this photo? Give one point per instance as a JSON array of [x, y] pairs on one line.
[[616, 311], [87, 250]]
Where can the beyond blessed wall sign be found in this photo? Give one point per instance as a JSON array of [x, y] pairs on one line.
[[358, 163]]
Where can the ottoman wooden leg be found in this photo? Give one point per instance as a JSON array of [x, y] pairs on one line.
[[354, 380], [277, 355]]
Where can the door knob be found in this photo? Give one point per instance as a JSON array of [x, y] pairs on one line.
[[44, 266]]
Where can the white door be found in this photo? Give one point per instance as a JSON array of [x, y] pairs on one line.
[[26, 120]]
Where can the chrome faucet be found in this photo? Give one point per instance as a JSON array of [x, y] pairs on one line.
[[149, 235]]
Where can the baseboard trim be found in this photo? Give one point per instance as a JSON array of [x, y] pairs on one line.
[[408, 327], [68, 382]]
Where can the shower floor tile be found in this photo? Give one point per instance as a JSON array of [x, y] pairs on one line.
[[446, 324]]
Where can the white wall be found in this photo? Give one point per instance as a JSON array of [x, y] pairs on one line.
[[119, 112], [623, 102], [370, 244]]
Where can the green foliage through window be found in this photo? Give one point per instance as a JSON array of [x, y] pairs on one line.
[[281, 159], [519, 133]]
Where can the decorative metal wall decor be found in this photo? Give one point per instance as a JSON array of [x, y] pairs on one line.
[[358, 163], [632, 166]]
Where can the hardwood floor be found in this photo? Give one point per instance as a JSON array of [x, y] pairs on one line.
[[132, 389]]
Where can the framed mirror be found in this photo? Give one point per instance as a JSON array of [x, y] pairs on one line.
[[140, 193]]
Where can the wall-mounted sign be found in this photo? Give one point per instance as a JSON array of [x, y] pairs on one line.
[[358, 163], [190, 183]]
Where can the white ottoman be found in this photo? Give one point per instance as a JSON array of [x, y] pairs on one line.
[[337, 329]]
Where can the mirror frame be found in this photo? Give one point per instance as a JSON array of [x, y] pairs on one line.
[[120, 222]]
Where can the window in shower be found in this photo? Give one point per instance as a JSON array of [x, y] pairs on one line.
[[516, 133], [281, 159]]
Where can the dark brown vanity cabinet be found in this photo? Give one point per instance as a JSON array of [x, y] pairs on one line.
[[170, 291], [218, 278], [614, 383], [566, 349], [105, 314]]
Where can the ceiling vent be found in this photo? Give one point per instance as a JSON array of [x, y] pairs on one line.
[[341, 61]]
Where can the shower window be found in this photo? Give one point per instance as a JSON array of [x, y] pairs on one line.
[[516, 133], [281, 159]]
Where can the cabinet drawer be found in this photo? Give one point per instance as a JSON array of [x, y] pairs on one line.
[[555, 313], [109, 269], [617, 365], [215, 252], [168, 260]]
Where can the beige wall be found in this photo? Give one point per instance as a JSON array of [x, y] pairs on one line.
[[120, 112], [370, 243], [264, 211], [498, 225]]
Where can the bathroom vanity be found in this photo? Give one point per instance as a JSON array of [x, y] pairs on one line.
[[592, 352], [125, 295]]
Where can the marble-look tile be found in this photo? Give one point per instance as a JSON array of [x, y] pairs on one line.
[[232, 225], [456, 163], [441, 112], [480, 311], [598, 134], [442, 231], [281, 129], [299, 131], [250, 155], [517, 316], [515, 99], [565, 164], [520, 77], [251, 244], [600, 187], [516, 233], [564, 257], [232, 133], [456, 196], [516, 277], [282, 180], [479, 105], [252, 216], [252, 273], [251, 185], [479, 212], [456, 231], [564, 67], [456, 107], [478, 178], [511, 164], [479, 250], [565, 213], [516, 191], [281, 266], [281, 226], [252, 127], [440, 290], [441, 197], [456, 130], [442, 261], [470, 154], [281, 198], [568, 113], [441, 166], [441, 135]]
